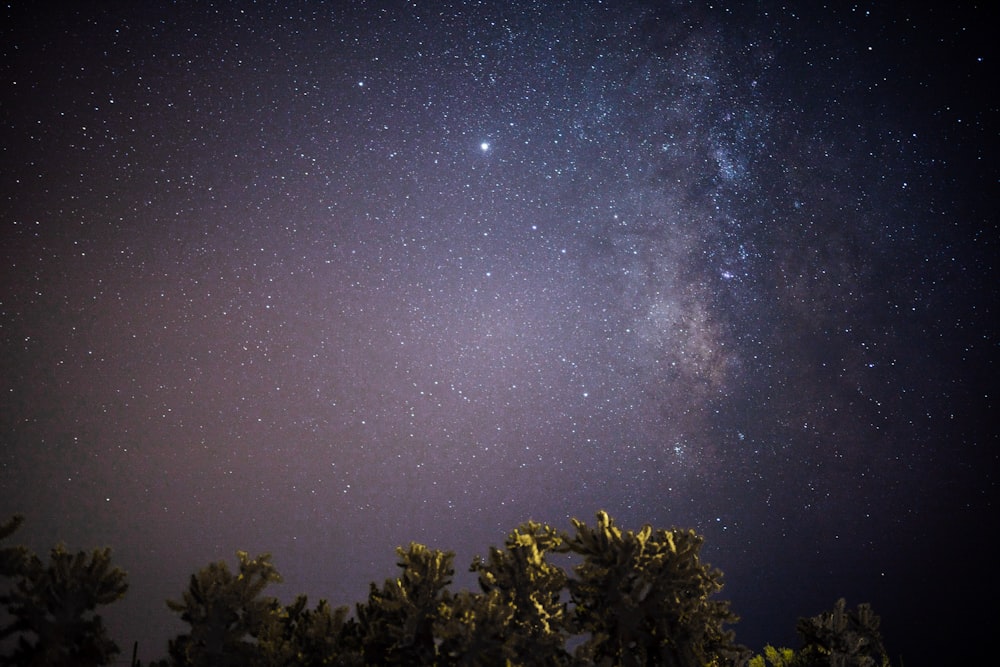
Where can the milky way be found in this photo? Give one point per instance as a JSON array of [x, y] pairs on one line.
[[321, 279]]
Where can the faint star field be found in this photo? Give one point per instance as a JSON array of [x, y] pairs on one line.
[[319, 279]]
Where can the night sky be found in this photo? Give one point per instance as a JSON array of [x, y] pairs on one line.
[[319, 279]]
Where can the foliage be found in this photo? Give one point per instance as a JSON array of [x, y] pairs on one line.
[[13, 560], [837, 638], [520, 611], [52, 605], [643, 598], [397, 622], [630, 598], [296, 635], [775, 657], [226, 613], [475, 630], [842, 638]]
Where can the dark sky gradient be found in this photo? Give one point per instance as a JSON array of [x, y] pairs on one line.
[[321, 279]]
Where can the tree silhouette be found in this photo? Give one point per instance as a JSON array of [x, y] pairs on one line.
[[12, 559], [397, 622], [296, 635], [475, 630], [226, 612], [52, 606], [520, 611], [631, 598], [842, 638], [643, 598]]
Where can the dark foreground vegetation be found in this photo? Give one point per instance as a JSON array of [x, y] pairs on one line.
[[631, 598]]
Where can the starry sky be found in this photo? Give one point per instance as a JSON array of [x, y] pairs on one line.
[[319, 279]]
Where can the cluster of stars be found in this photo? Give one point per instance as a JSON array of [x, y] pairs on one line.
[[329, 279]]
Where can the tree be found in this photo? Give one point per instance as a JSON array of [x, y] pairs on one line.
[[643, 598], [52, 606], [13, 560], [533, 588], [841, 638], [397, 622], [520, 611], [474, 630], [226, 612], [300, 636]]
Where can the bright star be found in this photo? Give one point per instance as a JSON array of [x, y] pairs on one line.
[[485, 146]]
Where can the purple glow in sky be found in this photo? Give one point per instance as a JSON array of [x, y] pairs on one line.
[[319, 279]]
